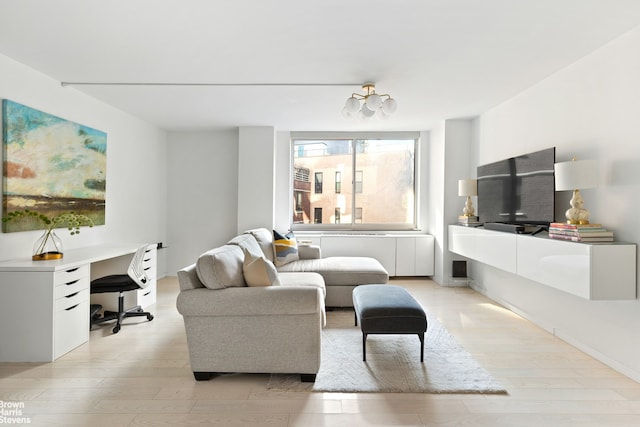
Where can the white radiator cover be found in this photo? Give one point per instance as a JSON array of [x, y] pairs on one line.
[[401, 255]]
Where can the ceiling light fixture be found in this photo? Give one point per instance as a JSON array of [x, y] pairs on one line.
[[372, 104]]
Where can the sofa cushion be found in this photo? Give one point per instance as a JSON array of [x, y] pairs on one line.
[[264, 238], [249, 243], [312, 280], [341, 270], [221, 267], [259, 271], [303, 279], [285, 248]]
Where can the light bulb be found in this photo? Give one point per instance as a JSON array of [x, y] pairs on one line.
[[374, 101], [352, 105], [389, 106], [347, 114], [367, 112]]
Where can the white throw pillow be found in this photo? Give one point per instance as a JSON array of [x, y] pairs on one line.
[[259, 271]]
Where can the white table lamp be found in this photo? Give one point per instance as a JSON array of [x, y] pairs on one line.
[[574, 175], [468, 188]]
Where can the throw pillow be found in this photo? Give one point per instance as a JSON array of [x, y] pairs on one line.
[[285, 248], [221, 267], [259, 271], [264, 238]]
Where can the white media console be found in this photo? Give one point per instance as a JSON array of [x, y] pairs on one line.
[[595, 271]]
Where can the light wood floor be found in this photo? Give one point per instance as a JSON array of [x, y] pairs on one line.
[[141, 377]]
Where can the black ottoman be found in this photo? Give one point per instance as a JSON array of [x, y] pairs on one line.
[[388, 309]]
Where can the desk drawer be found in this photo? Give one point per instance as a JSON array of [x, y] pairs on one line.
[[149, 263], [71, 327], [67, 302], [147, 297], [72, 274], [69, 288]]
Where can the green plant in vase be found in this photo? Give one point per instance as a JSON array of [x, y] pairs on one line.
[[49, 245]]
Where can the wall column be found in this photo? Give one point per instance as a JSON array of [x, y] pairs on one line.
[[256, 177]]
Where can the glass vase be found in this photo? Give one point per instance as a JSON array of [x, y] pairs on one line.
[[48, 246]]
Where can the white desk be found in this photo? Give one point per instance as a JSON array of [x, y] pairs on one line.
[[44, 305]]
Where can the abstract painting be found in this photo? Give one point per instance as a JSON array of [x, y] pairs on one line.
[[50, 166]]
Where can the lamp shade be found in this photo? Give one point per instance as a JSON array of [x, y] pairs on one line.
[[467, 187], [575, 175], [389, 106], [352, 105]]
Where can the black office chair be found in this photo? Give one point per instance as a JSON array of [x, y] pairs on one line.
[[136, 278]]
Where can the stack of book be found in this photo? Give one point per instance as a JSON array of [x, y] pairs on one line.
[[580, 232], [469, 221]]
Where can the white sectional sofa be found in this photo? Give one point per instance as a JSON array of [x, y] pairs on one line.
[[234, 326]]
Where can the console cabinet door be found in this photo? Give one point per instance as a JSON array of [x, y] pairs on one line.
[[493, 248], [414, 256], [591, 271]]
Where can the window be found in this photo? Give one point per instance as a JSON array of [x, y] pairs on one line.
[[358, 184], [387, 160], [301, 195], [298, 202]]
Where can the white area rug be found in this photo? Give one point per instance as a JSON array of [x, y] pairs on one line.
[[393, 363]]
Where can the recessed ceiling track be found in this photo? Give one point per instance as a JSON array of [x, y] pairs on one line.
[[201, 84]]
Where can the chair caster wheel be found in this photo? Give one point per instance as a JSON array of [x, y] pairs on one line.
[[116, 329], [149, 317]]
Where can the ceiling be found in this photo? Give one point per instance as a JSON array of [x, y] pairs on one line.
[[439, 59]]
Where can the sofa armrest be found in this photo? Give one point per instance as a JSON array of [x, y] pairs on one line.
[[251, 301], [309, 252]]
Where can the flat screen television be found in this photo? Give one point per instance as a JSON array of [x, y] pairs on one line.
[[518, 190]]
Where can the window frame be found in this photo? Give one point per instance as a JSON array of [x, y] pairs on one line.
[[358, 225], [358, 188]]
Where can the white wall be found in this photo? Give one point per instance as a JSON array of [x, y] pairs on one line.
[[283, 185], [206, 204], [256, 159], [449, 160], [203, 194], [422, 178], [588, 110], [136, 157], [458, 138], [435, 195]]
